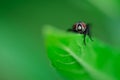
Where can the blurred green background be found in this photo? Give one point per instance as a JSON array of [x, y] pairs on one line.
[[22, 52]]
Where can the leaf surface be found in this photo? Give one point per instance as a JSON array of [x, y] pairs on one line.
[[75, 61]]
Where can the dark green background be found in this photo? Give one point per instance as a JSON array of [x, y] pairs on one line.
[[22, 52]]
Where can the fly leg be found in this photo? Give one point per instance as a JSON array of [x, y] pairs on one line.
[[88, 32], [84, 38]]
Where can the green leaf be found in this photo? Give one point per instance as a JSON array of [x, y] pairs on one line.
[[75, 61]]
